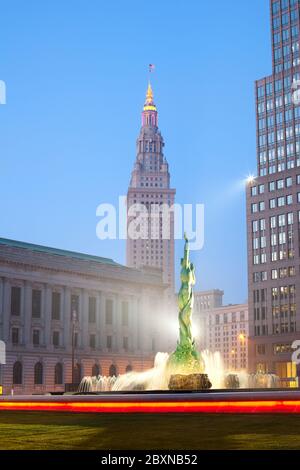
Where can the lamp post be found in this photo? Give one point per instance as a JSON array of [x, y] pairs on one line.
[[74, 320]]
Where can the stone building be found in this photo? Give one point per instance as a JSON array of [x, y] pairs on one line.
[[51, 297], [150, 187]]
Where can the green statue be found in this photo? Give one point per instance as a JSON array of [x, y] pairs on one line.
[[186, 359]]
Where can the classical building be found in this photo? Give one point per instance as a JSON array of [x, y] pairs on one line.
[[273, 205], [51, 298], [227, 331], [152, 243]]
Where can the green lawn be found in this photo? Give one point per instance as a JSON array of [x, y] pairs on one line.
[[25, 430]]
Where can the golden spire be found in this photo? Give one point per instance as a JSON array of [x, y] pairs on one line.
[[149, 103], [149, 94]]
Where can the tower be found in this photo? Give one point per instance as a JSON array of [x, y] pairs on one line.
[[150, 222], [273, 209]]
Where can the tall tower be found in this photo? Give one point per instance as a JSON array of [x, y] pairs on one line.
[[273, 205], [150, 187]]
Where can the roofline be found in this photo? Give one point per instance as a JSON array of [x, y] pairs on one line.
[[57, 251]]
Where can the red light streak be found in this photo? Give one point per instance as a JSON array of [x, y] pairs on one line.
[[263, 407]]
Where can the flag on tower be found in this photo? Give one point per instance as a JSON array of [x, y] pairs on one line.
[[151, 68]]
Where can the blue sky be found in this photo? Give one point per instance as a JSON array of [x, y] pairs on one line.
[[76, 75]]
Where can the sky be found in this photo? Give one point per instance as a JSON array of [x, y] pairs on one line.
[[76, 75]]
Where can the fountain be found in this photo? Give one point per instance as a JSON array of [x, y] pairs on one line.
[[185, 368]]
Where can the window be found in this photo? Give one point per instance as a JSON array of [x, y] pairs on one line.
[[55, 313], [92, 341], [255, 226], [15, 304], [272, 203], [108, 311], [92, 309], [254, 191], [58, 374], [272, 186], [262, 224], [15, 335], [55, 339], [113, 371], [289, 199], [254, 208], [38, 374], [281, 201], [109, 342], [74, 305], [95, 370], [36, 337], [125, 314], [261, 206], [36, 303], [261, 189], [17, 373]]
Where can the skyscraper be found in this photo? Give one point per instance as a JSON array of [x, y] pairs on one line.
[[151, 244], [273, 205]]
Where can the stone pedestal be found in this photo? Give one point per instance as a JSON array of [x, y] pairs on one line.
[[189, 382]]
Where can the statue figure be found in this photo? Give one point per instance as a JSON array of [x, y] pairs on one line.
[[186, 359], [186, 297]]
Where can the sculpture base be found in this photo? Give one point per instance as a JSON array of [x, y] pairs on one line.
[[185, 360], [189, 382]]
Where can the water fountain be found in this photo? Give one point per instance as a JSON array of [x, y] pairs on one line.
[[186, 368]]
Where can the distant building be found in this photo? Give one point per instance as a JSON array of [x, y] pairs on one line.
[[205, 301], [150, 187], [49, 297], [227, 331], [273, 204]]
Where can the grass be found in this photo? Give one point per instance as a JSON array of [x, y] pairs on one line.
[[62, 431]]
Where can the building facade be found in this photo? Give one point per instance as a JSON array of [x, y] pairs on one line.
[[150, 239], [227, 330], [205, 302], [273, 204], [50, 298]]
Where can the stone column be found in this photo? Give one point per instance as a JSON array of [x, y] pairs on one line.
[[117, 327], [6, 310], [84, 321], [103, 330]]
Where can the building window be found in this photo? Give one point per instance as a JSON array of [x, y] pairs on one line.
[[58, 374], [15, 335], [55, 306], [55, 339], [15, 304], [109, 342], [38, 373], [36, 337], [92, 309], [92, 341], [17, 373], [95, 370], [74, 305], [108, 311], [36, 303], [113, 371], [125, 314]]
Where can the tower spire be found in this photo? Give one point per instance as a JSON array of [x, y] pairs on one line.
[[149, 115]]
